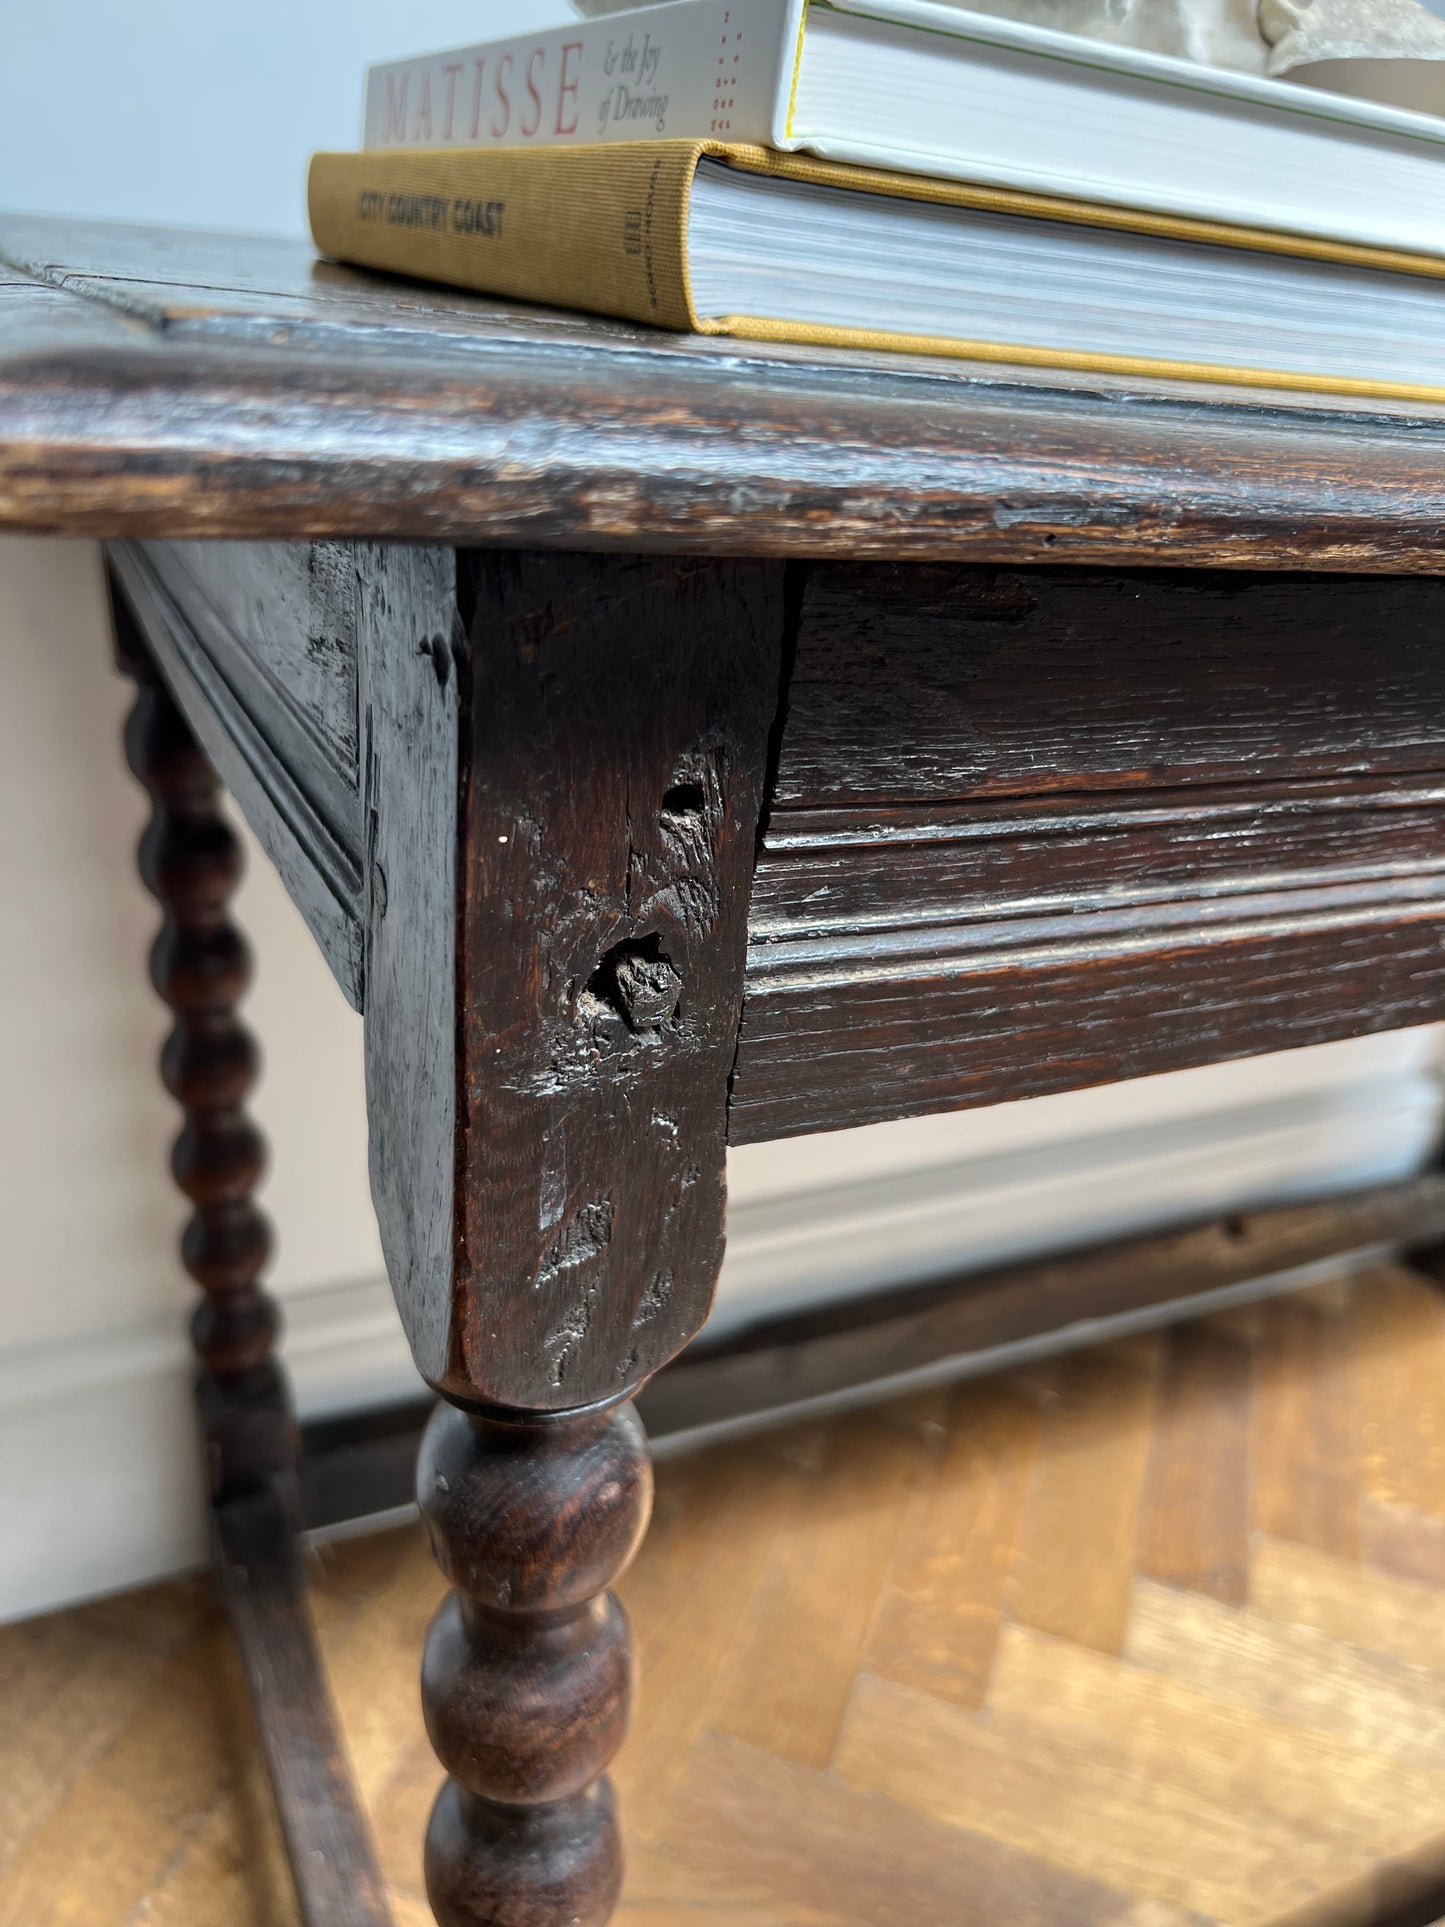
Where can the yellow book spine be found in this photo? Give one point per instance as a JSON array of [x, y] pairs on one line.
[[572, 227], [605, 229]]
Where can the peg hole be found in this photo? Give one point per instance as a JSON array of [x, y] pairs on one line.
[[636, 981], [682, 807]]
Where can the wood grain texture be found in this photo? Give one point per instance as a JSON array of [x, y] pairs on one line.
[[190, 860], [1303, 1466], [1394, 1617], [1035, 830], [527, 1676], [914, 685], [161, 384], [411, 675], [948, 874], [884, 1038], [620, 713], [281, 618], [940, 1612], [1291, 1673], [1307, 1445], [762, 1828], [1403, 1539], [791, 1673], [1125, 1830], [1218, 878], [1069, 1788], [1196, 1520], [200, 965], [320, 869], [1073, 1561], [329, 1849], [1401, 1353], [1222, 1756], [786, 1361], [715, 1525]]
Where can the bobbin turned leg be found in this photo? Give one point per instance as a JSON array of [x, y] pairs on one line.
[[527, 1673], [564, 801], [190, 861]]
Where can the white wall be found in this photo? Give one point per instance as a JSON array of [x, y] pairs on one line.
[[203, 112], [170, 111], [94, 1440], [81, 1134]]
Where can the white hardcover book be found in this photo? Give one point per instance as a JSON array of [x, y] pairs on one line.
[[698, 68], [927, 89]]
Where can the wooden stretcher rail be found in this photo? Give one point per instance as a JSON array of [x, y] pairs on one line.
[[364, 1463]]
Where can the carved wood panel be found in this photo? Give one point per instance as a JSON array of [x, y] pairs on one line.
[[930, 683], [1032, 831]]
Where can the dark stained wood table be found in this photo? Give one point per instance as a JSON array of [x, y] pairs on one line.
[[673, 745]]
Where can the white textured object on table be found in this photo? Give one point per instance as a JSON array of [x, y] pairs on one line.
[[1256, 36], [1385, 50], [1301, 32], [1220, 33], [1381, 49]]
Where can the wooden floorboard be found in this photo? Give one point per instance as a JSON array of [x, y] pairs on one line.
[[1152, 1636], [1307, 1447]]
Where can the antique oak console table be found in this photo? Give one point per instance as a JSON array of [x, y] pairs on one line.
[[672, 746]]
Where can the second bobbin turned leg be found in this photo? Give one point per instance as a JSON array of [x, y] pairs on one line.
[[527, 1675], [190, 861], [553, 1214]]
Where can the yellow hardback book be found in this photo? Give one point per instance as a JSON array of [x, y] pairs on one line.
[[746, 241]]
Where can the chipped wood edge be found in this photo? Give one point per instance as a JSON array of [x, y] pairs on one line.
[[411, 670], [319, 873]]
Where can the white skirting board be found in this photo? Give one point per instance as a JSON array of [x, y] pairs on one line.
[[99, 1471]]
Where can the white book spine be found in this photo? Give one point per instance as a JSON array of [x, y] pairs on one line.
[[698, 69]]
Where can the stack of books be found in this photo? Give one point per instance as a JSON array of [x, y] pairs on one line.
[[904, 175]]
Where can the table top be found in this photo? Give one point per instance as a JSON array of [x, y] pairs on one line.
[[170, 383]]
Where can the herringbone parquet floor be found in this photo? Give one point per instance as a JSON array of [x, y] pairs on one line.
[[1153, 1635]]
